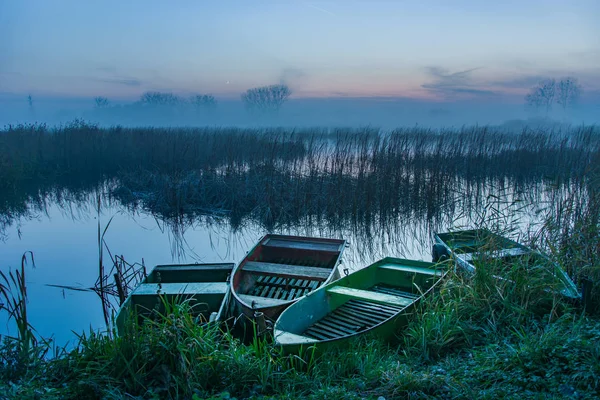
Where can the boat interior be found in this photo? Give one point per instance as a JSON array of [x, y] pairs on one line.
[[477, 240], [282, 269], [357, 302], [203, 285]]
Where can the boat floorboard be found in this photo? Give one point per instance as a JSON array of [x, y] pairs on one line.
[[282, 288], [352, 317]]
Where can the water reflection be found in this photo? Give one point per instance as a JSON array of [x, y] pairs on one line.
[[63, 233], [385, 194]]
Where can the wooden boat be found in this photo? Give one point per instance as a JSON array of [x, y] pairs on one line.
[[280, 270], [374, 300], [470, 247], [205, 286]]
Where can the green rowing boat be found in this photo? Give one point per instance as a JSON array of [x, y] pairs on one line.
[[204, 286], [374, 300], [471, 249]]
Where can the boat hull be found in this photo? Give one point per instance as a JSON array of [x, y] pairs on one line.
[[279, 270], [204, 286], [375, 301], [464, 247]]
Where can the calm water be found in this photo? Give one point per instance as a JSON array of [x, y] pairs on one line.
[[385, 197], [63, 236]]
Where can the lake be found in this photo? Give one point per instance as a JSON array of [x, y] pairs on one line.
[[202, 196]]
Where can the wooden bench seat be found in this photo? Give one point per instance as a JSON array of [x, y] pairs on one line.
[[186, 289], [260, 302], [515, 251], [295, 271], [371, 296], [408, 268], [303, 245], [194, 267]]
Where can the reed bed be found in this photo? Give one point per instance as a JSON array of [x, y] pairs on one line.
[[279, 173], [364, 180], [360, 178]]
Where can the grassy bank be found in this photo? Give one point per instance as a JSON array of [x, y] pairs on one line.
[[476, 338], [542, 355]]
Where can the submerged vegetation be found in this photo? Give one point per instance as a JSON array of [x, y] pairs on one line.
[[281, 176], [477, 338]]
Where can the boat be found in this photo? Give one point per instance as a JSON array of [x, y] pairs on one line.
[[204, 286], [280, 270], [374, 300], [470, 248]]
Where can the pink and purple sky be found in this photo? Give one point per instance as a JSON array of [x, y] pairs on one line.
[[436, 50]]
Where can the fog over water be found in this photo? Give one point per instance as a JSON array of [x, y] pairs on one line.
[[386, 113]]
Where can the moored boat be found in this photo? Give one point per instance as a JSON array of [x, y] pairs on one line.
[[280, 270], [472, 248], [374, 300], [204, 286]]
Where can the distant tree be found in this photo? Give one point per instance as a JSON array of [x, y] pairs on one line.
[[101, 102], [266, 98], [565, 92], [542, 95], [160, 99], [30, 105], [206, 102], [568, 91]]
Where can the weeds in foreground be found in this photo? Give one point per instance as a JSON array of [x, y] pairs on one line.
[[13, 300], [469, 339]]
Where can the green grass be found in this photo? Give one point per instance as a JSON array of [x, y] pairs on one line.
[[476, 338]]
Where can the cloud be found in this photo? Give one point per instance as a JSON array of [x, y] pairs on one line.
[[341, 94], [522, 82], [107, 69], [320, 9], [112, 76], [455, 84], [133, 82]]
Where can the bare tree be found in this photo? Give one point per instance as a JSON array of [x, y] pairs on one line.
[[101, 102], [568, 91], [205, 102], [160, 99], [266, 98], [542, 95]]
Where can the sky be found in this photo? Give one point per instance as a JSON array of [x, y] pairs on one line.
[[436, 50]]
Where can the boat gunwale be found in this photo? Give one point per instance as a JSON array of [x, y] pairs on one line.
[[373, 327], [201, 266]]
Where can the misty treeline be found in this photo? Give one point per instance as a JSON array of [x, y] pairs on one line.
[[165, 108], [265, 99], [563, 91]]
